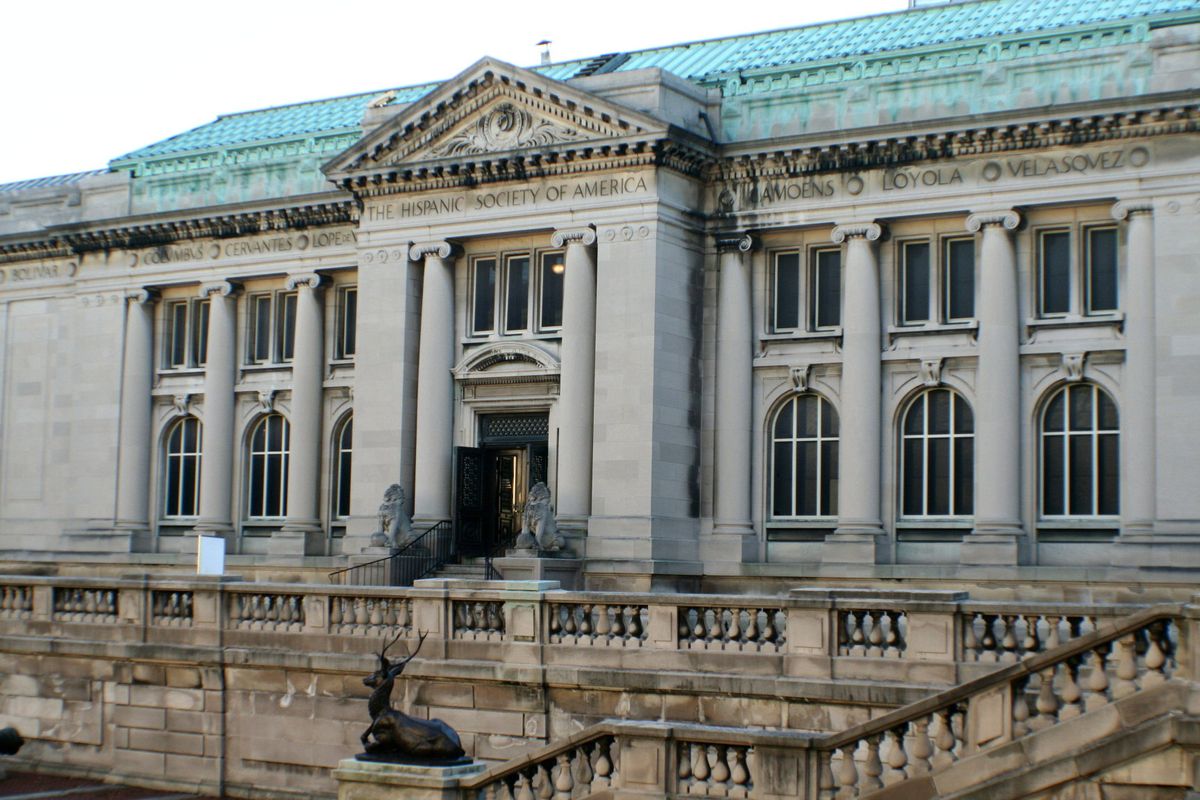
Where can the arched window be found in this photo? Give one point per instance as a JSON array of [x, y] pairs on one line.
[[804, 458], [1080, 453], [181, 489], [342, 461], [269, 467], [937, 456]]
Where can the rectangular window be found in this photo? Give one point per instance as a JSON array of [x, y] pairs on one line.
[[914, 277], [185, 328], [484, 316], [271, 336], [285, 326], [786, 292], [347, 322], [516, 294], [1054, 268], [1101, 267], [826, 289], [959, 279], [550, 305], [260, 328]]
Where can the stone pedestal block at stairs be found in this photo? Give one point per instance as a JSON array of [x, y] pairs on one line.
[[567, 571], [369, 780]]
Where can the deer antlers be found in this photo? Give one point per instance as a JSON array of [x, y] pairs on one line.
[[398, 668]]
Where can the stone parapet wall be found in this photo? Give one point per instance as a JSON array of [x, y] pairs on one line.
[[228, 685]]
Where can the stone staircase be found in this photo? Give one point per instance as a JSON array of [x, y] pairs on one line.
[[472, 569], [1111, 715]]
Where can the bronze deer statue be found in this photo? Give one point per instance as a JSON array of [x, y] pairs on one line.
[[397, 736]]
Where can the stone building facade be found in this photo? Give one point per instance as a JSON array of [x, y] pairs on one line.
[[908, 295]]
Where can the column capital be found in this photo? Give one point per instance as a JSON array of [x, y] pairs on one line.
[[1124, 209], [585, 236], [1009, 219], [731, 242], [223, 288], [309, 280], [871, 231], [417, 251], [141, 296]]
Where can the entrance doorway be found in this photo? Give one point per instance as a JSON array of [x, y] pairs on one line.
[[493, 480]]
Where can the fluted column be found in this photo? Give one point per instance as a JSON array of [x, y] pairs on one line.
[[859, 534], [734, 395], [1138, 401], [216, 463], [577, 381], [435, 388], [137, 381], [300, 534], [998, 531]]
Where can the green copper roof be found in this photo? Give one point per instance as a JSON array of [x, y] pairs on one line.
[[707, 61]]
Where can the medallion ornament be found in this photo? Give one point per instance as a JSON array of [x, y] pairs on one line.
[[505, 127]]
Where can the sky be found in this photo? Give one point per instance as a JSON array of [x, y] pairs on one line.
[[83, 82]]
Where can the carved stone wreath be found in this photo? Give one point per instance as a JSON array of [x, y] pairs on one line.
[[505, 127]]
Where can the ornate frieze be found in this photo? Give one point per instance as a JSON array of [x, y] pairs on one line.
[[505, 127]]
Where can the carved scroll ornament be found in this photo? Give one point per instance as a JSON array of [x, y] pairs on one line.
[[505, 127]]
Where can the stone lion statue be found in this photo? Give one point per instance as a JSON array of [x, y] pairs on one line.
[[395, 528], [538, 528]]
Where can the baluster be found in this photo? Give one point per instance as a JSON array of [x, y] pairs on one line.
[[1047, 703], [479, 617], [872, 767], [1097, 683], [569, 626], [875, 637], [825, 782], [1032, 642], [585, 621], [739, 775], [1020, 708], [1156, 656], [970, 640], [847, 775], [6, 601], [603, 766], [987, 643], [524, 790], [897, 759], [700, 769], [335, 614], [602, 626], [361, 615], [374, 615], [617, 629], [297, 613], [1126, 671], [944, 739], [733, 630], [922, 747], [857, 638], [685, 624], [564, 781], [717, 755], [1052, 639], [772, 629], [1009, 641], [258, 612], [684, 770], [581, 769], [89, 604], [1071, 693], [635, 622], [555, 623], [891, 638], [403, 614], [713, 615], [542, 783], [750, 634]]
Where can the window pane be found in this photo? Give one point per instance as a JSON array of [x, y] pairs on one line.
[[829, 420], [1052, 475], [1108, 452], [176, 350], [787, 291], [916, 283], [1080, 399], [939, 411], [275, 480], [343, 496], [262, 329], [349, 343], [1081, 475], [914, 421], [783, 421], [200, 334], [287, 327], [1054, 413], [828, 293], [964, 418], [484, 320], [829, 478], [806, 479], [1056, 272], [1107, 412], [913, 478], [806, 416], [781, 503], [938, 468], [1102, 269], [964, 476], [553, 274], [174, 476], [188, 494], [960, 279], [257, 464], [516, 305]]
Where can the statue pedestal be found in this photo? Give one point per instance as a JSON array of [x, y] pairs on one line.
[[529, 565], [379, 780]]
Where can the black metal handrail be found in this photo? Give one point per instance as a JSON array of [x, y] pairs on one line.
[[424, 555]]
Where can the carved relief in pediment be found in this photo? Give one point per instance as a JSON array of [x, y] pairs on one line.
[[506, 126]]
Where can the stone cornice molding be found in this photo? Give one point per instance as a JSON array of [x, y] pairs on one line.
[[309, 280], [871, 231], [1008, 219], [222, 288], [731, 243], [1124, 209], [585, 236], [417, 251], [141, 296]]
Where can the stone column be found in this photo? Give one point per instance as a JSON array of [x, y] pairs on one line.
[[999, 536], [577, 380], [217, 462], [133, 457], [1138, 402], [301, 532], [435, 387], [859, 537], [734, 395]]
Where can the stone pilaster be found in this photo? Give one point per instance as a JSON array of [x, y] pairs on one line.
[[137, 381], [734, 394], [301, 532], [999, 537], [577, 379], [859, 537], [217, 462], [435, 387]]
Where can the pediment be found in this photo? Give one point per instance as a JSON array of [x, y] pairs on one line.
[[495, 110], [506, 362]]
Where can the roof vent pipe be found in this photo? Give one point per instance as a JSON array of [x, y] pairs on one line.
[[545, 45]]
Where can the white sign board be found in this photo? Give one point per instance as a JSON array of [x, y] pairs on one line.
[[210, 555]]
